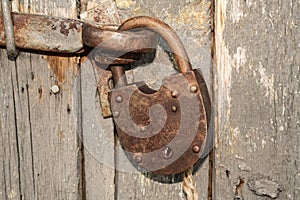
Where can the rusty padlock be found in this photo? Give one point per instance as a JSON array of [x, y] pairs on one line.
[[162, 131]]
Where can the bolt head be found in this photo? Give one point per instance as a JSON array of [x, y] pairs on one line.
[[193, 89], [119, 99], [175, 93], [196, 149]]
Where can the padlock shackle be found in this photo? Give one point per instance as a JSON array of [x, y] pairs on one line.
[[166, 32], [118, 74]]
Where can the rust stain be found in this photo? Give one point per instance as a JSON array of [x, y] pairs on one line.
[[149, 150], [54, 31], [19, 28], [238, 189], [58, 65], [62, 66], [103, 88], [69, 25]]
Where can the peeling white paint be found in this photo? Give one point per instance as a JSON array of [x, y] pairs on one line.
[[239, 157], [124, 4], [12, 194], [15, 6], [254, 146], [249, 3], [240, 58], [281, 128], [236, 12], [266, 81], [236, 132], [263, 143], [224, 74], [223, 71], [245, 167]]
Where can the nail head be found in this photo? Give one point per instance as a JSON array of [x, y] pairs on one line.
[[55, 89]]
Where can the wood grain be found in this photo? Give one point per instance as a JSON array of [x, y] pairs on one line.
[[97, 132], [257, 86], [41, 136], [9, 152]]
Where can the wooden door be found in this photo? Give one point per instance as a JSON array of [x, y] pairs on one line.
[[56, 145]]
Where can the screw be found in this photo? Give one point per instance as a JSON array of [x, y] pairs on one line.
[[119, 99], [55, 89], [167, 153], [174, 108], [193, 89], [175, 93], [116, 114], [138, 159], [196, 149]]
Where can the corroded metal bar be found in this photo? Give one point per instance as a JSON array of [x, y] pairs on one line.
[[44, 33], [118, 75], [54, 34], [9, 30], [141, 40], [165, 32]]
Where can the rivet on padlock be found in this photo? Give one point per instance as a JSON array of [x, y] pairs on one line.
[[162, 131]]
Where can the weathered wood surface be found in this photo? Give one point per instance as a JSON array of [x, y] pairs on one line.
[[257, 90], [39, 144], [47, 159], [97, 133], [256, 86]]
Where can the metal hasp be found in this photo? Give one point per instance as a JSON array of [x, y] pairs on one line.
[[162, 131], [62, 35], [9, 29]]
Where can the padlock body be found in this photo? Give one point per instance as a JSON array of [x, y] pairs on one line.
[[163, 131]]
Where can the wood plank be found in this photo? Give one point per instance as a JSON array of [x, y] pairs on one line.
[[9, 139], [45, 127], [23, 126], [54, 130], [97, 132], [257, 86], [98, 140]]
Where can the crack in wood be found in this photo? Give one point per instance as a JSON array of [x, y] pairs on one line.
[[16, 130], [31, 140]]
